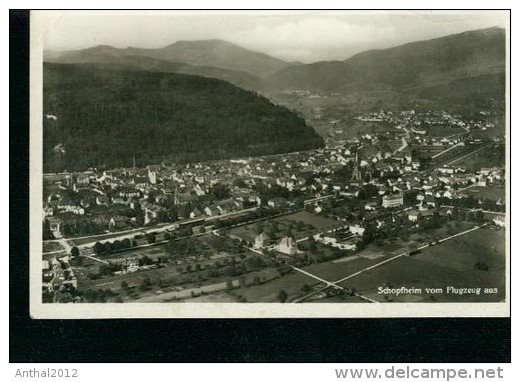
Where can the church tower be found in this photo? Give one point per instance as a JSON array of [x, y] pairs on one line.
[[356, 174]]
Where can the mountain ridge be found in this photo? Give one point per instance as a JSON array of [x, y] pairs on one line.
[[214, 52], [422, 63]]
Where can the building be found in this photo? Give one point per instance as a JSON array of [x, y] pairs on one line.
[[277, 202], [152, 177], [395, 200], [102, 200], [287, 246], [499, 221], [55, 226], [356, 173], [117, 222], [152, 173], [414, 216], [83, 179], [261, 241], [58, 273], [356, 230]]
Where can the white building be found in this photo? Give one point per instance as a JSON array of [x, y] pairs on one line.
[[287, 246], [356, 230], [395, 200]]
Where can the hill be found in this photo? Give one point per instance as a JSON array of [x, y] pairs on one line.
[[209, 53], [108, 113], [431, 63], [110, 55]]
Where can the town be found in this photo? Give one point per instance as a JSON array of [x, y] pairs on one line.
[[414, 193]]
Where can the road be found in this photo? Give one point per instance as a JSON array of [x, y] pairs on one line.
[[403, 146], [329, 283], [65, 245], [404, 141]]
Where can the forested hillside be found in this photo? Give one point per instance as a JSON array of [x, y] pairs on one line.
[[102, 115]]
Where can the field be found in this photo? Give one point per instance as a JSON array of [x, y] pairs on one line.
[[151, 252], [201, 292], [52, 246], [332, 270], [317, 221], [300, 224], [385, 146], [488, 192], [443, 131], [491, 156], [268, 292], [455, 155], [344, 106], [451, 263]]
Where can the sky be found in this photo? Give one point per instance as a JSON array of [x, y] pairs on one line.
[[289, 35]]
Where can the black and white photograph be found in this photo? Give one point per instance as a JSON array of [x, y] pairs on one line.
[[269, 164]]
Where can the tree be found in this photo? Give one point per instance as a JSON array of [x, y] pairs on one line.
[[184, 211], [77, 261], [220, 191], [74, 252], [117, 245], [151, 237], [238, 182], [99, 248], [259, 229], [46, 232], [369, 234], [282, 295], [313, 246], [125, 243], [146, 284], [306, 288], [481, 266], [145, 260], [124, 284]]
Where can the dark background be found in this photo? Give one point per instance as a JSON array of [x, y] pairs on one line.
[[203, 340]]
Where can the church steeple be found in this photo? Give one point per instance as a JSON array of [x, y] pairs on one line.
[[356, 174]]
